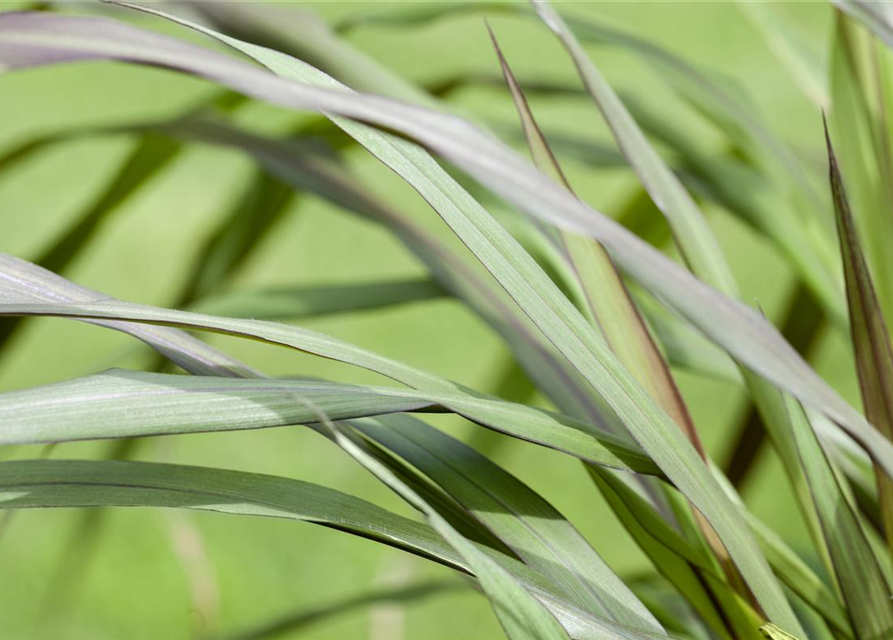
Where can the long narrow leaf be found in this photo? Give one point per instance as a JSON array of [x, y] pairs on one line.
[[864, 588], [121, 404], [870, 337], [28, 484]]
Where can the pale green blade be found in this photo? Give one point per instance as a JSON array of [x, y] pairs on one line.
[[235, 408], [860, 71], [120, 404], [696, 242], [869, 333], [691, 233], [28, 484]]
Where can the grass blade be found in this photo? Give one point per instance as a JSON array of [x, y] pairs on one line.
[[859, 116], [608, 301], [862, 583], [869, 333], [85, 483], [791, 46], [122, 404]]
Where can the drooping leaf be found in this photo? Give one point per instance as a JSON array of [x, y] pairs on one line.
[[121, 404]]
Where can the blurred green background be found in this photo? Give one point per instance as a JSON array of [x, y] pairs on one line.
[[129, 578]]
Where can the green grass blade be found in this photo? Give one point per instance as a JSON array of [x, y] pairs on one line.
[[306, 167], [869, 15], [869, 333], [696, 242], [692, 235], [304, 35], [83, 483], [801, 579], [28, 484], [570, 432], [792, 47], [122, 404], [672, 555], [862, 126], [612, 308], [608, 301]]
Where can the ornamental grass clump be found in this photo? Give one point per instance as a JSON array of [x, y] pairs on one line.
[[599, 319]]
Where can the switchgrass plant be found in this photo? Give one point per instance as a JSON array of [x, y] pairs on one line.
[[597, 317]]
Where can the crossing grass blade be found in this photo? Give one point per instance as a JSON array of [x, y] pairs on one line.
[[864, 588], [607, 300], [520, 614], [528, 524], [121, 404], [691, 234], [615, 314], [198, 356]]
